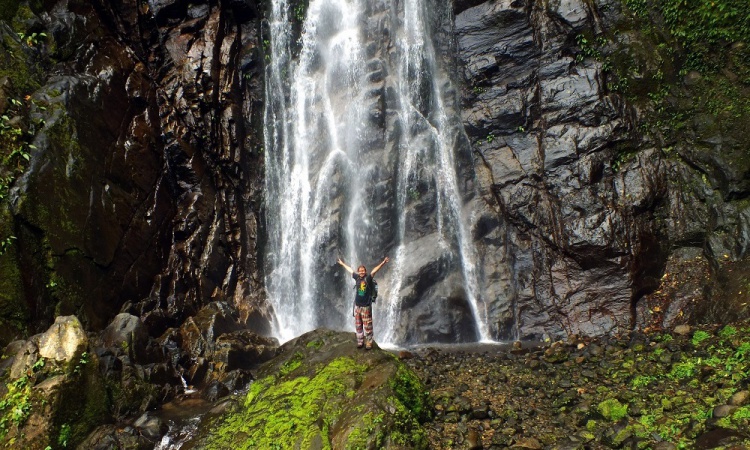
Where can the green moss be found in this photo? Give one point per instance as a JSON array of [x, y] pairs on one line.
[[411, 393], [86, 391], [612, 409], [407, 431], [682, 370], [361, 437], [15, 405], [13, 310], [727, 332], [286, 414], [292, 364], [316, 344], [642, 381], [699, 336]]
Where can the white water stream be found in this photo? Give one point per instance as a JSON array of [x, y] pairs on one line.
[[359, 125]]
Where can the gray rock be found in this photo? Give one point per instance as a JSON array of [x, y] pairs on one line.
[[739, 398], [25, 357], [127, 333], [150, 427], [723, 411]]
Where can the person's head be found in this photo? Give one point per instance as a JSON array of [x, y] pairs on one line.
[[362, 271]]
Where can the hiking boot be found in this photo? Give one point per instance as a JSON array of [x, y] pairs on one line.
[[368, 346], [359, 345]]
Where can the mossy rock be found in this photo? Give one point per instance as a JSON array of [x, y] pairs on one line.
[[13, 310], [323, 392], [55, 402]]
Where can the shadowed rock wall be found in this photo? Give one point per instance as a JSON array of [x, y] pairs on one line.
[[142, 188]]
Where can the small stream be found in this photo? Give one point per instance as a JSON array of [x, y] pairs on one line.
[[183, 416]]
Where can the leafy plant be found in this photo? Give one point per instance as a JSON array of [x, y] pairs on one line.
[[727, 332], [299, 11], [682, 370], [32, 39], [699, 336], [64, 436], [612, 409], [5, 244]]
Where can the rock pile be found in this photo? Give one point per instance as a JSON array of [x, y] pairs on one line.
[[653, 390]]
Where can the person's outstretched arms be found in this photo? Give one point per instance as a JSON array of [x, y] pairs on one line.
[[376, 268], [343, 264]]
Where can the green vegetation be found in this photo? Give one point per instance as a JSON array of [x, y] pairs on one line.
[[727, 332], [704, 28], [699, 336], [21, 73], [410, 392], [282, 414], [665, 401], [64, 436], [15, 406], [688, 68], [642, 381], [341, 403], [300, 10], [292, 364], [316, 344]]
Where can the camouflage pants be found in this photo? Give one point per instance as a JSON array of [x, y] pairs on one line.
[[363, 323]]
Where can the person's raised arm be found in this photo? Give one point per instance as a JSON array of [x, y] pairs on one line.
[[376, 268], [343, 264]]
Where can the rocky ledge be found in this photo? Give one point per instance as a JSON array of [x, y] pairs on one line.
[[323, 392]]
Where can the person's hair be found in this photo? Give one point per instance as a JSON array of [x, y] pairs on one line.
[[362, 267]]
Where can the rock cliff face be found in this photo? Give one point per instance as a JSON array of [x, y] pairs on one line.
[[569, 241], [140, 190], [584, 214]]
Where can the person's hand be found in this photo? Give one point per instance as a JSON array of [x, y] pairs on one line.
[[338, 260], [385, 260]]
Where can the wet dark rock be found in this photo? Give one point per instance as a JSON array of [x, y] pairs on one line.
[[107, 437], [214, 391], [473, 439], [244, 349], [127, 333], [161, 374], [527, 443], [481, 412], [150, 427]]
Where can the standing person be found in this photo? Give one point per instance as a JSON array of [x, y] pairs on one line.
[[363, 302]]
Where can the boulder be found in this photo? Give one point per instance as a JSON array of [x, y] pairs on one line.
[[323, 392], [128, 333], [64, 340], [55, 393]]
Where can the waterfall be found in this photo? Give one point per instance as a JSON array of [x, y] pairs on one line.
[[364, 157]]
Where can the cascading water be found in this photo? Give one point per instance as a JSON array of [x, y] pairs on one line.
[[363, 153]]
